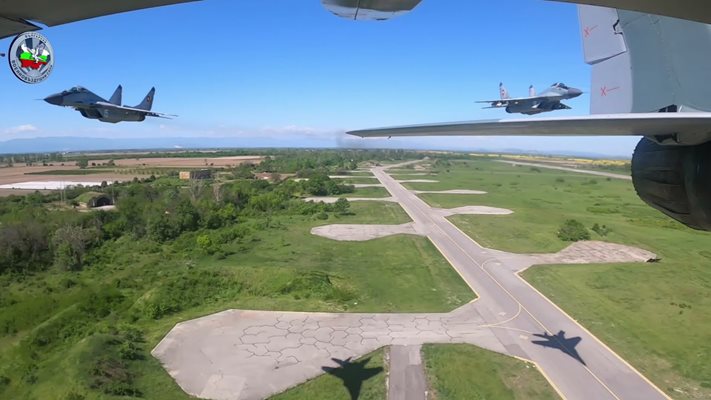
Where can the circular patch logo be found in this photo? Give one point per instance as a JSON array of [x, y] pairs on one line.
[[31, 57]]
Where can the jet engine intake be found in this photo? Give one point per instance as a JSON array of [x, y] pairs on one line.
[[675, 180]]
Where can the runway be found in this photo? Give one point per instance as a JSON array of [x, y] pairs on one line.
[[250, 355], [517, 311]]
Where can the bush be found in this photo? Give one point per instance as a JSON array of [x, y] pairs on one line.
[[601, 230], [573, 231], [113, 377]]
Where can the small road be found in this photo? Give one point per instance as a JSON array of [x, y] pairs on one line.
[[406, 380], [577, 364], [581, 171]]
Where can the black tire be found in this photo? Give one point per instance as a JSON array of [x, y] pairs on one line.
[[675, 180]]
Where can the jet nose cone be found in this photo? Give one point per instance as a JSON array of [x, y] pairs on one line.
[[55, 99], [573, 92]]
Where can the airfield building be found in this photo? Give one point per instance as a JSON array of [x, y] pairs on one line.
[[198, 174]]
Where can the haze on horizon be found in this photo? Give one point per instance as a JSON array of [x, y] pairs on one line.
[[294, 75]]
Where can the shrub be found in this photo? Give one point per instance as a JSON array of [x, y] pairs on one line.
[[601, 230], [573, 231]]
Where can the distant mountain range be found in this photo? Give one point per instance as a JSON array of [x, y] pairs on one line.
[[76, 144], [79, 144]]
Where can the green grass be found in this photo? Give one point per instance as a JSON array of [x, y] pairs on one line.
[[357, 179], [330, 387], [465, 372], [656, 316], [56, 321], [369, 192]]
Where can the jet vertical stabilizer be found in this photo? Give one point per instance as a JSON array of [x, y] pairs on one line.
[[645, 63], [116, 97], [147, 102], [503, 93]]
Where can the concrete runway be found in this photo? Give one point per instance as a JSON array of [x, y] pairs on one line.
[[580, 171], [238, 354], [518, 311]]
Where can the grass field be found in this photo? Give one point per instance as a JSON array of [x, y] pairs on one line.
[[56, 321], [367, 374], [358, 180], [465, 372], [369, 192], [656, 316]]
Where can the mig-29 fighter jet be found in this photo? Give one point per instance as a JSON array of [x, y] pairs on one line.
[[549, 100], [92, 106]]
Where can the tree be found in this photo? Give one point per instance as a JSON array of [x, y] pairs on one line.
[[342, 206], [206, 244], [24, 247], [573, 231], [82, 162], [70, 244]]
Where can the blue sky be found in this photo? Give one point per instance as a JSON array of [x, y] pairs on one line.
[[286, 68]]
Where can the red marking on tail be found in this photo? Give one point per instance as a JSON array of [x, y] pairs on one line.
[[604, 91], [587, 31]]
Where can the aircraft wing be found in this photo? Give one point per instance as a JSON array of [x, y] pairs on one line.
[[147, 113], [506, 102], [693, 10], [519, 100], [645, 124], [15, 15]]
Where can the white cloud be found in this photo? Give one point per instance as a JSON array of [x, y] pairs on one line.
[[22, 129]]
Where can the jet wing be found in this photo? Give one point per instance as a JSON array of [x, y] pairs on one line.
[[645, 124], [693, 10], [147, 113], [519, 100], [506, 102], [15, 15]]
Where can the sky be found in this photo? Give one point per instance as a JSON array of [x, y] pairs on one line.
[[287, 69]]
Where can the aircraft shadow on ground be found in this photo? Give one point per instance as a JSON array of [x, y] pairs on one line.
[[353, 374], [560, 342]]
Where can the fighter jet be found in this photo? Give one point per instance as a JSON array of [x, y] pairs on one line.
[[560, 342], [92, 106], [353, 374], [549, 100], [642, 84]]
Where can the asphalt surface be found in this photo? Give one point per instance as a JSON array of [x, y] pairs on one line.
[[406, 380], [581, 171], [584, 370], [250, 355]]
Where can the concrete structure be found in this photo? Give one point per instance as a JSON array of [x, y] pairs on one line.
[[238, 354], [196, 174]]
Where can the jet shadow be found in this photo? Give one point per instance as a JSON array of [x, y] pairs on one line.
[[353, 374], [560, 342]]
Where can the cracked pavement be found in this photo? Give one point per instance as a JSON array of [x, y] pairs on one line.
[[240, 354]]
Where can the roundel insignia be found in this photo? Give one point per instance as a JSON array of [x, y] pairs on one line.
[[31, 57]]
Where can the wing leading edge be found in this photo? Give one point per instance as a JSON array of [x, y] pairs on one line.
[[644, 124], [147, 113], [15, 15]]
